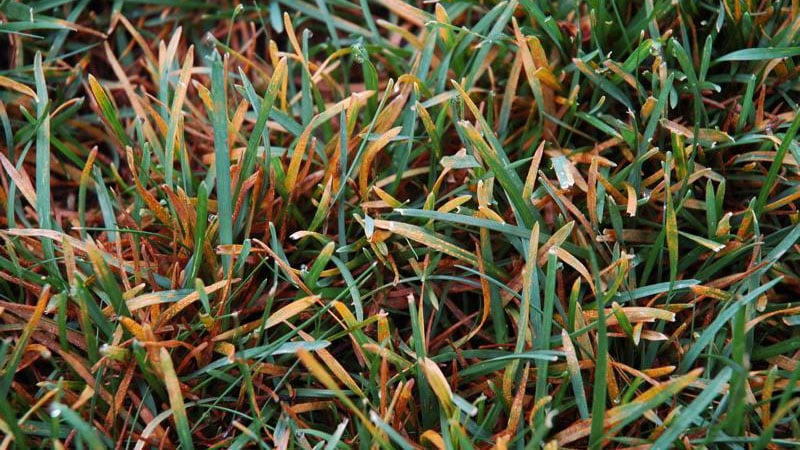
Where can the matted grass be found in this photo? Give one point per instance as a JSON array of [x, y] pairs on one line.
[[359, 224]]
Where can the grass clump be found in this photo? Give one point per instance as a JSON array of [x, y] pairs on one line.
[[335, 224]]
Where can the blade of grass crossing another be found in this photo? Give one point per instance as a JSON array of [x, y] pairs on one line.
[[318, 372], [719, 321], [85, 432], [496, 157], [260, 127], [777, 163], [428, 239], [509, 180], [635, 176], [621, 415], [692, 413]]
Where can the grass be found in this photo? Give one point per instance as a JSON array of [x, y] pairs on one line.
[[400, 224]]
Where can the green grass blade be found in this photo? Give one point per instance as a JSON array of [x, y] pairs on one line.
[[222, 161]]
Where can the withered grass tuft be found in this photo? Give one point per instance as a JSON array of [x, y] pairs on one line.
[[325, 224]]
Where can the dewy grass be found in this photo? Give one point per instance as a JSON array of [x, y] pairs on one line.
[[399, 224]]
